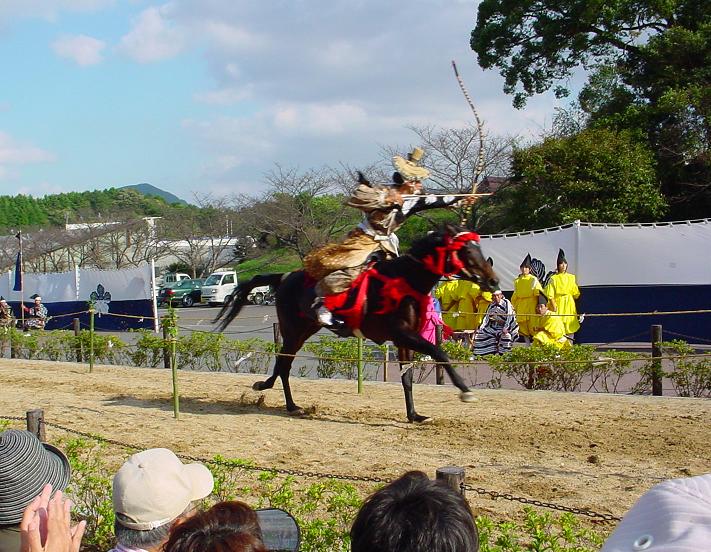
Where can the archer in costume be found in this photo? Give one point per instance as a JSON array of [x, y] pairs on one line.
[[385, 209], [36, 314]]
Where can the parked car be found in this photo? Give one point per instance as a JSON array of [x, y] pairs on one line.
[[185, 293], [261, 295], [219, 286]]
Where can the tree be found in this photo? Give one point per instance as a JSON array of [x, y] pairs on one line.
[[650, 73], [597, 175]]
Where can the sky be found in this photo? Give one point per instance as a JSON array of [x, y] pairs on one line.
[[206, 96]]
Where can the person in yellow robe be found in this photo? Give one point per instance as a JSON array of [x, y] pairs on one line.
[[524, 299], [446, 293], [483, 301], [467, 294], [548, 329], [562, 291]]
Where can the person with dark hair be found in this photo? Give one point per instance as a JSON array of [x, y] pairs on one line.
[[415, 514], [547, 328], [562, 291], [499, 329], [226, 527], [27, 466], [37, 314], [385, 208], [7, 318], [524, 299], [152, 491]]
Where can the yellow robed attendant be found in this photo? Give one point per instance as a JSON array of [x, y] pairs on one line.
[[562, 291], [483, 301], [548, 329], [525, 297], [448, 298], [467, 293]]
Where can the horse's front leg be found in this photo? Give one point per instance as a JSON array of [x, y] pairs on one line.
[[405, 357], [419, 344]]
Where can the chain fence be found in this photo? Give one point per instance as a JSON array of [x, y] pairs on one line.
[[493, 495]]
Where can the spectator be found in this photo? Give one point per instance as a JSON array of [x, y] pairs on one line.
[[524, 299], [151, 491], [46, 525], [415, 514], [673, 516], [498, 330], [7, 318], [235, 527], [446, 292], [36, 314], [548, 329], [431, 321], [26, 466], [562, 291]]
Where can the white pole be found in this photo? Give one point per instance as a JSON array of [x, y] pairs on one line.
[[153, 295]]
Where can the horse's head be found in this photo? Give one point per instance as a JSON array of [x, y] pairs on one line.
[[454, 251]]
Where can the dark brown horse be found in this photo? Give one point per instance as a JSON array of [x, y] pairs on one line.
[[386, 316]]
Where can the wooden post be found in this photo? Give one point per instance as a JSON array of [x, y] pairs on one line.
[[277, 334], [439, 369], [77, 331], [386, 358], [35, 423], [91, 338], [166, 345], [453, 476], [656, 359], [360, 365]]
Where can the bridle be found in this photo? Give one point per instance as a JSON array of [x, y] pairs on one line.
[[447, 254]]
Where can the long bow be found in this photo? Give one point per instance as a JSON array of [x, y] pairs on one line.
[[479, 168]]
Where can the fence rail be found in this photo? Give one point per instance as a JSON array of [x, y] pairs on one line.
[[36, 424]]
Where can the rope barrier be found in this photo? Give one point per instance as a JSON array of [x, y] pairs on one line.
[[321, 475], [697, 339]]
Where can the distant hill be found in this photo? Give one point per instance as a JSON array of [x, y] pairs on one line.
[[149, 190]]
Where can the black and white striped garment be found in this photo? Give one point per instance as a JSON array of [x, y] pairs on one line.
[[489, 338]]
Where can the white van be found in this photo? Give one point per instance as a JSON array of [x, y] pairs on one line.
[[218, 287], [173, 277]]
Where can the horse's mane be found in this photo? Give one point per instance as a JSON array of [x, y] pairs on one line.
[[432, 239]]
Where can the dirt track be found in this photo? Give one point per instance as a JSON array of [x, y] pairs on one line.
[[581, 450]]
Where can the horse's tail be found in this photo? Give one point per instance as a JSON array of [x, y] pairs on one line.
[[239, 297]]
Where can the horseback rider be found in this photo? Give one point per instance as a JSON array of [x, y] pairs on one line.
[[385, 209]]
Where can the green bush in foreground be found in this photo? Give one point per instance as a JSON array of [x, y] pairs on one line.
[[324, 509]]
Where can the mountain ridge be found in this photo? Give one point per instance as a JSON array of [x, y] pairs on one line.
[[150, 190]]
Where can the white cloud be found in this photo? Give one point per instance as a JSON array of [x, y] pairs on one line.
[[13, 153], [153, 37], [83, 50], [320, 119]]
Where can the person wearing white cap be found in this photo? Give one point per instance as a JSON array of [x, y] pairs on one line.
[[37, 314], [151, 491], [673, 516]]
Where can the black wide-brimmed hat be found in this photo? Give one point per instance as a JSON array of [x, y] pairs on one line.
[[27, 465]]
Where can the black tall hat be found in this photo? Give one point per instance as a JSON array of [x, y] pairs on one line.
[[490, 261], [561, 257], [35, 296], [542, 299], [526, 263]]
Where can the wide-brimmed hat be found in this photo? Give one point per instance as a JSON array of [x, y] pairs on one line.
[[27, 465], [410, 168], [154, 487]]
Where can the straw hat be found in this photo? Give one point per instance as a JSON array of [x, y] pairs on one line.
[[409, 168], [27, 465]]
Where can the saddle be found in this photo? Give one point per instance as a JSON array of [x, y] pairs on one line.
[[352, 305]]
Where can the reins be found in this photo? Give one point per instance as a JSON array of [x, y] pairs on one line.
[[436, 261]]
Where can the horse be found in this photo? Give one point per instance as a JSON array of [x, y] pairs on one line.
[[393, 298]]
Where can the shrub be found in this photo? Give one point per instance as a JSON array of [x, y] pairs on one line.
[[337, 356], [609, 369], [690, 375], [253, 356]]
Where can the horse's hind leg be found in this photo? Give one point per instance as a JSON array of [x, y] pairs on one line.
[[405, 357]]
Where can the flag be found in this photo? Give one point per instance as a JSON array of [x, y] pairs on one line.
[[18, 272]]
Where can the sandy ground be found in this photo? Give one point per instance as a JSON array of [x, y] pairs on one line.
[[579, 450]]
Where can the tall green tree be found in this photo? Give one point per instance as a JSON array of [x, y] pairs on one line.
[[597, 175], [650, 73]]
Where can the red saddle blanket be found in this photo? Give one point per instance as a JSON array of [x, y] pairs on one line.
[[351, 305]]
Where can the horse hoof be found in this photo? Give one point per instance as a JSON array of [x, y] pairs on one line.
[[418, 419], [258, 386], [296, 412], [467, 396]]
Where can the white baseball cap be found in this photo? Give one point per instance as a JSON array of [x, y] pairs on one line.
[[154, 487], [673, 516]]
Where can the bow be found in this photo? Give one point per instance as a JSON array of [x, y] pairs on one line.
[[479, 168]]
